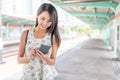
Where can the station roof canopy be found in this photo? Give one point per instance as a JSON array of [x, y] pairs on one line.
[[15, 20], [96, 13]]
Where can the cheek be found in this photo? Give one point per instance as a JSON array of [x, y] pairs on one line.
[[39, 21]]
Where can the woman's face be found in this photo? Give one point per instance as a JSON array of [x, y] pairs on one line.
[[44, 20]]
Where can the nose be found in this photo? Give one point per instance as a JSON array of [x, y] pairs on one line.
[[45, 23]]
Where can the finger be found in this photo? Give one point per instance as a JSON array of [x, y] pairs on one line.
[[36, 49], [39, 54], [48, 53], [33, 54]]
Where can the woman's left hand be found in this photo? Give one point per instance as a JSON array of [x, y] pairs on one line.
[[41, 55]]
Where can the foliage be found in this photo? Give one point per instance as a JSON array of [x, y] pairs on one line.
[[84, 29]]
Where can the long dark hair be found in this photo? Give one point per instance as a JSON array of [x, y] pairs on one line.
[[53, 29]]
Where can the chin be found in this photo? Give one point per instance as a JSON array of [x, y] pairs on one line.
[[44, 27]]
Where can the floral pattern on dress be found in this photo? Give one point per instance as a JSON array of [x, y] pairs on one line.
[[37, 69]]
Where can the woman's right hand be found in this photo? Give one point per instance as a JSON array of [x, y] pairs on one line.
[[28, 58], [32, 53]]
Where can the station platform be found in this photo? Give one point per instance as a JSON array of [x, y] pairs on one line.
[[78, 59], [89, 60]]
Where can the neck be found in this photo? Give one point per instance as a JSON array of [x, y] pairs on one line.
[[38, 30]]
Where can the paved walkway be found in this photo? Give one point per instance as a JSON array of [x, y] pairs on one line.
[[89, 60]]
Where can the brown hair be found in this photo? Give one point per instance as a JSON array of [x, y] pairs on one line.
[[53, 29]]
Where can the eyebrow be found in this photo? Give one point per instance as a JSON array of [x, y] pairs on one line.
[[44, 17]]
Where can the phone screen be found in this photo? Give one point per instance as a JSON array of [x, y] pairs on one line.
[[44, 48]]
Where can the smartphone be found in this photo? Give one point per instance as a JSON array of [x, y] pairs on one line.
[[44, 48]]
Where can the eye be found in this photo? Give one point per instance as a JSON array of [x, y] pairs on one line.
[[42, 18], [49, 20]]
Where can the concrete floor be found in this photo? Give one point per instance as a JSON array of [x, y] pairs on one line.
[[89, 60]]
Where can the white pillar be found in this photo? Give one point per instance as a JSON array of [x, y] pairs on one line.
[[115, 39], [1, 41]]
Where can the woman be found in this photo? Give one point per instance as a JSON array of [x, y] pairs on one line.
[[37, 65]]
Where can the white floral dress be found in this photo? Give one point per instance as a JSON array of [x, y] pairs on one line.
[[37, 69]]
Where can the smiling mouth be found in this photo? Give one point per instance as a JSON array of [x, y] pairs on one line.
[[43, 26]]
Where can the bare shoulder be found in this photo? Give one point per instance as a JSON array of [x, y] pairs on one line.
[[23, 36], [24, 32]]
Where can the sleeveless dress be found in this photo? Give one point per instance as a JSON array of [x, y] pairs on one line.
[[37, 69]]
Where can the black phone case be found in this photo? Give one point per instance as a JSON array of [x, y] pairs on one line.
[[44, 48]]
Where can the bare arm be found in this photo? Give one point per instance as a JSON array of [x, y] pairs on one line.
[[50, 60], [21, 59]]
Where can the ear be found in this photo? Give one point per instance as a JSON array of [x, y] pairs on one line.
[[50, 24]]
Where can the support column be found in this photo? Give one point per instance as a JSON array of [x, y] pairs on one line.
[[108, 36], [7, 31], [22, 28], [1, 39], [115, 38]]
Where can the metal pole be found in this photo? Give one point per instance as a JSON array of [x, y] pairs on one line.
[[1, 41]]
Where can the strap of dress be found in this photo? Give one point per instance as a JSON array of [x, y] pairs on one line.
[[26, 36]]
